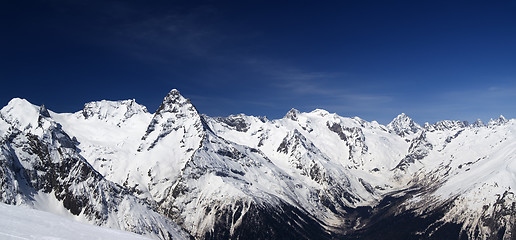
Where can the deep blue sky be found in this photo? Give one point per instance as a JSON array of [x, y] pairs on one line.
[[432, 60]]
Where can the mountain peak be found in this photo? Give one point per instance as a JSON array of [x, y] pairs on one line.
[[403, 125], [18, 103], [292, 114], [20, 113], [497, 122], [403, 116], [43, 111], [174, 94], [175, 116], [478, 123], [174, 102]]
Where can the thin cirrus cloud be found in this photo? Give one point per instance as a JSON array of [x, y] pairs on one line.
[[330, 91]]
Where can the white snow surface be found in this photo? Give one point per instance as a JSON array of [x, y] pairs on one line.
[[18, 222]]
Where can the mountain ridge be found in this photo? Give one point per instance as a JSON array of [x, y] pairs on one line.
[[306, 175]]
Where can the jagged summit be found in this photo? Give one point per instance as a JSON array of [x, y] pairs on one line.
[[176, 116], [43, 111], [176, 106], [174, 102], [403, 125], [292, 114], [497, 122], [478, 123]]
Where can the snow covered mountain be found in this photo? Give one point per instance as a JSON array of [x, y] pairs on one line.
[[42, 167], [177, 173]]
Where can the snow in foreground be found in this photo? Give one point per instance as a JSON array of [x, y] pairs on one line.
[[24, 223]]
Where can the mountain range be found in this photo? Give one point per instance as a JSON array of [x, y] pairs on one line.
[[179, 174]]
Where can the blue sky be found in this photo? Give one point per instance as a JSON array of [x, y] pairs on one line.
[[432, 60]]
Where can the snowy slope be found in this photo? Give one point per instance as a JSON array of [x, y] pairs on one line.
[[472, 169], [25, 223]]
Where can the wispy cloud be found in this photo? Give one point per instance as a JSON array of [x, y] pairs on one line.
[[334, 91], [335, 87]]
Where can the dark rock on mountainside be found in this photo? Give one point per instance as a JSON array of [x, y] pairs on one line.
[[268, 222], [235, 121]]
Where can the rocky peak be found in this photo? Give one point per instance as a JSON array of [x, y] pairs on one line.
[[43, 111], [175, 113], [497, 122], [292, 114], [478, 123], [403, 125], [43, 116], [175, 106], [174, 102]]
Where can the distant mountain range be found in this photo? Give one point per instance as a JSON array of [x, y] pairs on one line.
[[179, 174]]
